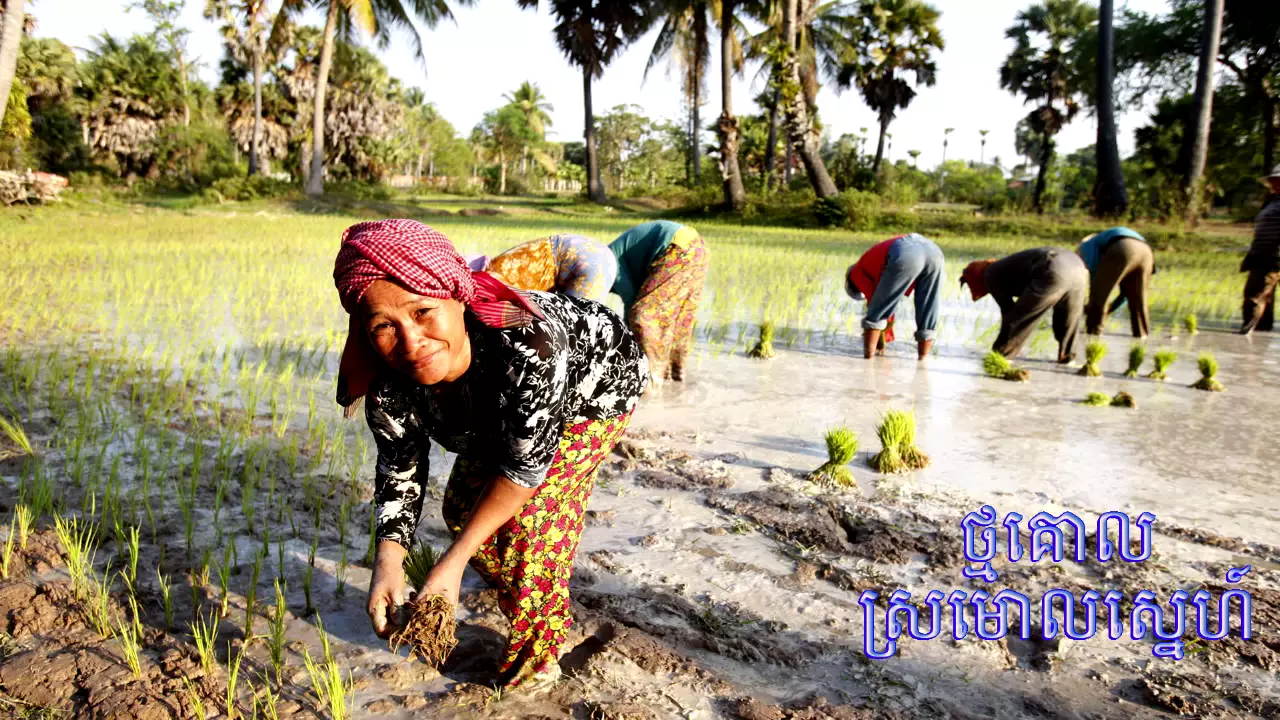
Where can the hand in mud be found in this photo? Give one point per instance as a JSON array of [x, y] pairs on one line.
[[386, 589], [444, 580]]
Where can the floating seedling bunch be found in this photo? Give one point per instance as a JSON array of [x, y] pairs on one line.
[[998, 366], [1137, 354], [842, 446], [1120, 399], [1093, 354], [763, 349], [897, 434], [1160, 364], [1208, 366]]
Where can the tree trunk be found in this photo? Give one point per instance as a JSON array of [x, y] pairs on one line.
[[799, 123], [885, 119], [1042, 177], [735, 196], [255, 145], [315, 182], [1109, 196], [700, 34], [10, 42], [771, 149], [787, 165], [595, 188], [1210, 38], [502, 173], [1269, 127], [182, 83]]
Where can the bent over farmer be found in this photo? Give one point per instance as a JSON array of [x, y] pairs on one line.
[[1026, 285], [662, 266], [566, 264], [1262, 262], [1118, 257], [885, 274], [531, 390]]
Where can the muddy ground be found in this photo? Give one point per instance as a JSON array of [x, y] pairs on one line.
[[714, 581]]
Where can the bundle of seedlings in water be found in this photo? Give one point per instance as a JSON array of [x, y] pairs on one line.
[[1097, 399], [1137, 353], [1191, 324], [1124, 399], [1208, 365], [1162, 360], [842, 445], [430, 630], [1093, 353], [897, 433], [998, 366], [763, 349]]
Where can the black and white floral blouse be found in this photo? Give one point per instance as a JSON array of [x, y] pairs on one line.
[[524, 386]]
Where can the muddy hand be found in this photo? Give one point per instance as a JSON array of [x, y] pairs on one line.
[[386, 589]]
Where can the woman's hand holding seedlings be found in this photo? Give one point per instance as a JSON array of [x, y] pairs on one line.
[[386, 588]]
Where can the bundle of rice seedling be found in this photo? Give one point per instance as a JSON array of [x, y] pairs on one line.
[[842, 445], [1137, 353], [1096, 399], [897, 433], [1161, 361], [1124, 399], [1191, 324], [763, 349], [998, 366], [1208, 365], [430, 631], [418, 563], [1093, 353]]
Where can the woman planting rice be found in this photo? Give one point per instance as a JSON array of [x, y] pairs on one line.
[[1262, 262], [662, 266], [1026, 285], [566, 264], [884, 275], [1118, 257], [531, 390]]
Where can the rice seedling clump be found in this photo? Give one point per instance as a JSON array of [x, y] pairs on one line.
[[763, 349], [1191, 324], [897, 433], [1208, 365], [430, 632], [998, 366], [418, 563], [1096, 399], [1161, 361], [1093, 353], [1137, 354], [842, 445], [1124, 399]]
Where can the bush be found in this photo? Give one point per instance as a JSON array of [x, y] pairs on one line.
[[462, 186], [246, 188], [853, 209], [194, 157]]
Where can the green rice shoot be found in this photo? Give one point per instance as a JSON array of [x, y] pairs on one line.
[[897, 434], [418, 563], [763, 349], [12, 431], [1093, 354], [842, 446], [1097, 399], [1137, 354], [1208, 365], [998, 366], [1161, 362], [1191, 324]]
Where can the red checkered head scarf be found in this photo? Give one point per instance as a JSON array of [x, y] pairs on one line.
[[423, 261]]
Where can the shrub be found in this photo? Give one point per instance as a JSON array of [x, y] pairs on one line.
[[195, 156], [248, 188]]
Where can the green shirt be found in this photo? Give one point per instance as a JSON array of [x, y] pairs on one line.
[[636, 249]]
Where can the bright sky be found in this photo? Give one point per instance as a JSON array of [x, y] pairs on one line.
[[494, 46]]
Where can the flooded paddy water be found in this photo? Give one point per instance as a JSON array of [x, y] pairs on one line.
[[191, 401]]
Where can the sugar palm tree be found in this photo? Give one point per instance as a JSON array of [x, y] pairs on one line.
[[800, 125], [982, 156], [684, 38], [915, 157], [535, 108], [1109, 196], [591, 33], [946, 135], [11, 32], [375, 18], [1041, 69], [1210, 40], [244, 30]]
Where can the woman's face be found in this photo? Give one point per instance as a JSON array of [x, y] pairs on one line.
[[422, 338]]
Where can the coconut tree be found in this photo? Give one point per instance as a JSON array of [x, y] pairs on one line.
[[888, 40], [684, 39], [591, 33], [1109, 196], [535, 108], [244, 31], [375, 18], [11, 32], [799, 119], [504, 133], [735, 195], [1210, 40], [1040, 68]]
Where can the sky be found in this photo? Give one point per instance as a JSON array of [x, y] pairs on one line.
[[493, 46]]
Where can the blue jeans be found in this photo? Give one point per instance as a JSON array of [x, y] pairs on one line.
[[912, 259]]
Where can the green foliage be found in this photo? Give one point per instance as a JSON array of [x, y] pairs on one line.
[[852, 209], [194, 157], [247, 188], [1097, 399], [1208, 366], [1093, 354], [418, 563], [763, 349], [842, 446], [1137, 354], [998, 366], [897, 434], [1191, 323], [1161, 362]]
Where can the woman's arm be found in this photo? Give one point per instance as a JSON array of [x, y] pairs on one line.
[[499, 503]]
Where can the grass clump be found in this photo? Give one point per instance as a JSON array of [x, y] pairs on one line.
[[430, 631], [998, 366], [1137, 354], [1097, 399], [1208, 365], [1161, 362], [897, 434], [1093, 354], [1191, 324], [1124, 399], [418, 563], [842, 445], [763, 349]]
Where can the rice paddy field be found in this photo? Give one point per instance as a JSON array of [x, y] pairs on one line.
[[188, 515]]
